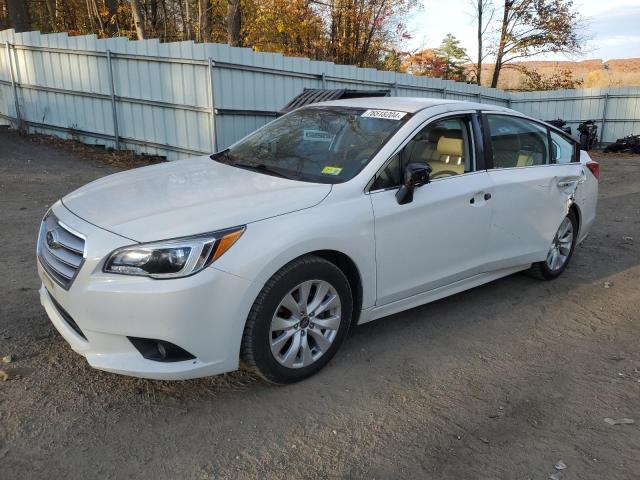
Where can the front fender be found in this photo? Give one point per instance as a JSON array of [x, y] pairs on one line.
[[345, 226]]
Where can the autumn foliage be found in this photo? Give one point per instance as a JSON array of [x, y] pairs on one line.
[[366, 33]]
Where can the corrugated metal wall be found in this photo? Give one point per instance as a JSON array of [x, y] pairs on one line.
[[157, 98], [618, 109]]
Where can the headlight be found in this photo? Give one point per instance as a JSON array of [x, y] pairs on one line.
[[179, 257]]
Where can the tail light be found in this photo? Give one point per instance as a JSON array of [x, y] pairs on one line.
[[594, 167]]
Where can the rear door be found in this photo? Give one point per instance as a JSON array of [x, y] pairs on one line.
[[533, 177], [440, 237]]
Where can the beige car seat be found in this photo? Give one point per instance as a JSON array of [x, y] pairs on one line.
[[449, 157]]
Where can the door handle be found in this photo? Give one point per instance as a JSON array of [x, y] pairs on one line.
[[566, 183], [572, 181]]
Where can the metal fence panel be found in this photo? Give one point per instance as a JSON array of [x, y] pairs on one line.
[[179, 99]]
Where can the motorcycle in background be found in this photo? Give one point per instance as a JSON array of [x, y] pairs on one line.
[[630, 144], [588, 134], [561, 124]]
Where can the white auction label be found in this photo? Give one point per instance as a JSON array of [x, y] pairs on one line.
[[386, 114]]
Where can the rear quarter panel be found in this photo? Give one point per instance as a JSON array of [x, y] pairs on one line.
[[586, 197]]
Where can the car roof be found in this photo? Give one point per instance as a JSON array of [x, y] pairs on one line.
[[408, 104]]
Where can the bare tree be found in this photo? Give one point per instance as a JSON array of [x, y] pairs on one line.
[[18, 15], [532, 27], [483, 12], [138, 18], [204, 29], [234, 23]]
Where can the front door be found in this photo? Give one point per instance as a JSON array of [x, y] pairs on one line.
[[440, 237]]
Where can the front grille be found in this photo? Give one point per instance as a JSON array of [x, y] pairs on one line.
[[60, 250]]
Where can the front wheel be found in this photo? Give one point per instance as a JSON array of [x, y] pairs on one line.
[[560, 252], [298, 321]]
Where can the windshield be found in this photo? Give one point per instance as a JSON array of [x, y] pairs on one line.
[[316, 144]]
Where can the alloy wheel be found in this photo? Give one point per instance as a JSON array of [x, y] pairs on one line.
[[305, 324], [561, 246]]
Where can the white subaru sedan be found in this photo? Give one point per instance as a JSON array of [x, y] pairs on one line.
[[333, 215]]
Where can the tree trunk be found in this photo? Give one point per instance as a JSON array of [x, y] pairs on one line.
[[138, 18], [204, 24], [53, 14], [503, 40], [187, 19], [153, 5], [234, 23], [18, 15], [112, 21], [479, 66]]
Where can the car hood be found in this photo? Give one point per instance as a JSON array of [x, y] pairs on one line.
[[188, 197]]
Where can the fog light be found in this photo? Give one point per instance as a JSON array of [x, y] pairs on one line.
[[160, 350]]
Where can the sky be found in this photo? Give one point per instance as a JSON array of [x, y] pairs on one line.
[[613, 27]]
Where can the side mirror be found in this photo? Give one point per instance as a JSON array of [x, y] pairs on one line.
[[415, 175]]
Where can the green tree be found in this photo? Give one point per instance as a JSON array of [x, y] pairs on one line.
[[453, 57]]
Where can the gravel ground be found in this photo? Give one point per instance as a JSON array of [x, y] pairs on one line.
[[502, 381]]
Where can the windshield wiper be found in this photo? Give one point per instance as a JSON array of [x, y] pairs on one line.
[[262, 168], [225, 157]]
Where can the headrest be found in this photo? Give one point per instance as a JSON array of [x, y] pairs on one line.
[[450, 146]]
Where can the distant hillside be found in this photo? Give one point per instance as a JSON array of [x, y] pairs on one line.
[[619, 72]]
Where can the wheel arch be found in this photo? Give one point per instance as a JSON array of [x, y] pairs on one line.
[[342, 261], [351, 271], [575, 208]]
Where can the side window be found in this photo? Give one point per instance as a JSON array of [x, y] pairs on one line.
[[517, 142], [443, 144], [562, 150]]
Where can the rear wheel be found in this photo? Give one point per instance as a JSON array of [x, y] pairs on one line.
[[298, 321], [561, 250]]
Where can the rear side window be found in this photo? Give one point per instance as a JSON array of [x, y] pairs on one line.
[[562, 150], [517, 142]]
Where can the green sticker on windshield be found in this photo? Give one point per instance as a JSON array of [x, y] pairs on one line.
[[332, 170]]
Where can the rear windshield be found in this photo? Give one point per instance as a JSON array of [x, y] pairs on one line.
[[316, 144]]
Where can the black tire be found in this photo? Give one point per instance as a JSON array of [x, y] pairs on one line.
[[542, 271], [256, 350]]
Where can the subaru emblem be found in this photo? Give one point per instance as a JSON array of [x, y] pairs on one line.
[[53, 239]]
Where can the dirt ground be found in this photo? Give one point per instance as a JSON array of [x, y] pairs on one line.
[[500, 382]]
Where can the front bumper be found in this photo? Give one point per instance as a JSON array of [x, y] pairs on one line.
[[204, 314]]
